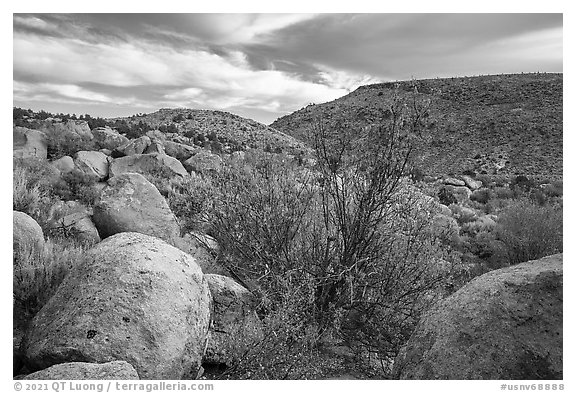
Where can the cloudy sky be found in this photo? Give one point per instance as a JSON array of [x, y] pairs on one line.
[[260, 66]]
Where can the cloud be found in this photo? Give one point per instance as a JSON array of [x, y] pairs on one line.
[[181, 77], [265, 64], [344, 80]]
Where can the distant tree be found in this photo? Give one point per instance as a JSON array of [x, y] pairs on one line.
[[212, 136], [96, 122], [178, 118], [172, 128]]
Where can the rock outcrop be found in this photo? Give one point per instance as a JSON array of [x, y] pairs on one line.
[[134, 146], [505, 324], [92, 163], [148, 165], [71, 218], [107, 138], [27, 235], [64, 164], [91, 371], [130, 203], [133, 298], [179, 151], [236, 327], [27, 143], [203, 161]]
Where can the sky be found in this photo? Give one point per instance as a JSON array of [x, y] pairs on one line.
[[260, 66]]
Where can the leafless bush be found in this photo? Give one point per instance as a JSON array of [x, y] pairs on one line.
[[348, 241]]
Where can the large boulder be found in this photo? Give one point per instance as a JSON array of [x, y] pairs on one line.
[[28, 143], [92, 371], [203, 161], [27, 235], [130, 203], [133, 298], [107, 138], [92, 163], [73, 219], [134, 146], [451, 181], [71, 129], [148, 165], [64, 164], [472, 183], [155, 146], [505, 324], [236, 327], [179, 151]]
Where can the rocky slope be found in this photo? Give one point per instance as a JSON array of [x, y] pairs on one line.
[[232, 131], [502, 124]]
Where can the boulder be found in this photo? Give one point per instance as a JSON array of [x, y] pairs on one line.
[[28, 143], [27, 235], [64, 164], [71, 129], [156, 134], [108, 152], [155, 147], [205, 253], [92, 163], [133, 298], [130, 203], [236, 326], [179, 151], [505, 324], [73, 219], [107, 138], [203, 161], [472, 183], [134, 146], [148, 165], [454, 182], [91, 371]]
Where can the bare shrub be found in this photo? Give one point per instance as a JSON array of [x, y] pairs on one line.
[[349, 243]]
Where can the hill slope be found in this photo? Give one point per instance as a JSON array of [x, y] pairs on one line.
[[225, 127], [502, 124]]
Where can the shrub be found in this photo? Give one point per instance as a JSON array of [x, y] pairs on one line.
[[34, 182], [36, 277], [189, 199], [77, 186], [62, 144], [504, 193], [27, 196], [354, 249], [554, 190], [530, 231], [482, 195], [446, 197]]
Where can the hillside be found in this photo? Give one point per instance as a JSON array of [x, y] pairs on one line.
[[235, 132], [502, 124]]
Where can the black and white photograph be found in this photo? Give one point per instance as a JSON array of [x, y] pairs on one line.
[[287, 196]]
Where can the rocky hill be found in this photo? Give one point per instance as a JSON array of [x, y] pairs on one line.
[[498, 125], [231, 131]]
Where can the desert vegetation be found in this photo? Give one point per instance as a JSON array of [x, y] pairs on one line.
[[342, 246]]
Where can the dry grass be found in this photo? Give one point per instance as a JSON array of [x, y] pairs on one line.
[[38, 273]]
